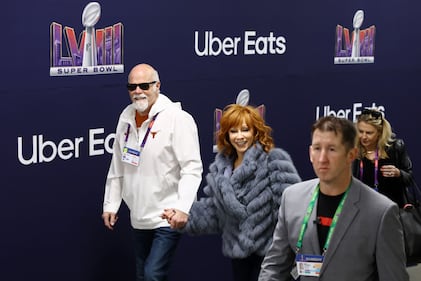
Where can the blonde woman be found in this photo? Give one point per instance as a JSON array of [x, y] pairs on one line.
[[383, 162]]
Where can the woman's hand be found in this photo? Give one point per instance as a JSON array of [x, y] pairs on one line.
[[390, 171], [176, 218]]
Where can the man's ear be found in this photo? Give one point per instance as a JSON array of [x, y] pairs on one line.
[[352, 154], [309, 154]]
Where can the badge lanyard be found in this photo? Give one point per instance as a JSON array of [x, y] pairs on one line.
[[308, 214], [376, 170], [147, 132]]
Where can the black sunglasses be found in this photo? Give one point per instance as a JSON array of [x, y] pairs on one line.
[[374, 113], [142, 86]]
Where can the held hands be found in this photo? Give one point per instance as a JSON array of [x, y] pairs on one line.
[[390, 171], [109, 219], [176, 218]]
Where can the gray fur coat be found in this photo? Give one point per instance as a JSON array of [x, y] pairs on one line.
[[243, 204]]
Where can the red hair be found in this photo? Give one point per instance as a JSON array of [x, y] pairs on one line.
[[234, 115]]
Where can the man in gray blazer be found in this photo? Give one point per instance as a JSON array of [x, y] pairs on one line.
[[335, 227]]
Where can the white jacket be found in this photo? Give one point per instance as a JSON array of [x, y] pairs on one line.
[[170, 168]]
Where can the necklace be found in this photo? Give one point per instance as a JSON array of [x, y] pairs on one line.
[[369, 152]]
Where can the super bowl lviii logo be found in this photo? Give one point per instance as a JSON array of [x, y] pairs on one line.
[[242, 99], [98, 51], [357, 47]]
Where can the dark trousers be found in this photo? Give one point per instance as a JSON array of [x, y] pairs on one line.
[[247, 269], [154, 249]]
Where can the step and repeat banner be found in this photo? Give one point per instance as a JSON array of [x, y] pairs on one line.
[[65, 66]]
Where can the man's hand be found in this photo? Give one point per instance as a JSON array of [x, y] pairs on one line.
[[109, 219], [176, 218]]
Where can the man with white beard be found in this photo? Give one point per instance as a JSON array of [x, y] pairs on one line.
[[156, 166]]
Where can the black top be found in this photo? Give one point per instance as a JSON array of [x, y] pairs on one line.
[[394, 187], [326, 208]]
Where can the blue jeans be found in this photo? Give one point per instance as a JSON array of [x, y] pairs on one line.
[[154, 249]]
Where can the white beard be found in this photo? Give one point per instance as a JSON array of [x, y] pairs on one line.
[[140, 104]]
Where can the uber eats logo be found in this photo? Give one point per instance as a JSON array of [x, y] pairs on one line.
[[251, 43], [38, 149]]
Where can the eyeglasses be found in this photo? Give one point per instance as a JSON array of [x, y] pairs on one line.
[[374, 113], [142, 86]]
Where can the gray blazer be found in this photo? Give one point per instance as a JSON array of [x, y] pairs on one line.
[[367, 243]]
